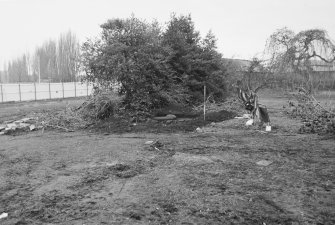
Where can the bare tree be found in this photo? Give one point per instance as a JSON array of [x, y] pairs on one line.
[[68, 56], [54, 61], [295, 54]]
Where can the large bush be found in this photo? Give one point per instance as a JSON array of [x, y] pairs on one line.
[[154, 68]]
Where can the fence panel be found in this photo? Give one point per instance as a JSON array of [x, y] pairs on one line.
[[42, 91], [27, 92], [56, 90], [39, 91], [10, 92], [69, 90]]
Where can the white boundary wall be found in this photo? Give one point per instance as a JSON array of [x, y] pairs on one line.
[[39, 91]]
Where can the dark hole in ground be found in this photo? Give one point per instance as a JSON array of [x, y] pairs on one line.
[[120, 167], [169, 207], [117, 125], [177, 110], [127, 171], [126, 174], [134, 215]]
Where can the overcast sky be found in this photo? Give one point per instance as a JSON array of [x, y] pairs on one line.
[[241, 26]]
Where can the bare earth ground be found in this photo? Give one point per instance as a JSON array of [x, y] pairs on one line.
[[194, 178]]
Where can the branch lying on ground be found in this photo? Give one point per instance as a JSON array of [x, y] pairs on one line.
[[316, 117], [68, 119], [58, 127], [315, 102]]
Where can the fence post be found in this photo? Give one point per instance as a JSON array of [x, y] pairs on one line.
[[1, 93], [35, 90], [63, 88], [20, 91], [87, 89], [49, 90], [75, 89]]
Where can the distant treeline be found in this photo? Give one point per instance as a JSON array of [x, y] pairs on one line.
[[54, 61]]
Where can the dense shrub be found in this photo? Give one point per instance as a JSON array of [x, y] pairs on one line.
[[154, 68], [194, 61]]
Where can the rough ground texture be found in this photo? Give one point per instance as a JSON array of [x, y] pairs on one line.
[[209, 177]]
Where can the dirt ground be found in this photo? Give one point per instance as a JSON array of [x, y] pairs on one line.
[[208, 177]]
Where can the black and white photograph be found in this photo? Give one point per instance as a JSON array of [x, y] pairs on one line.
[[179, 112]]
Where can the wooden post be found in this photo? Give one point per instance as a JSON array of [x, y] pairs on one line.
[[204, 102], [75, 89], [49, 90], [35, 90], [87, 89], [63, 88], [20, 91], [1, 93]]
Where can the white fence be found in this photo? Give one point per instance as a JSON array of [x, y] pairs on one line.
[[39, 91]]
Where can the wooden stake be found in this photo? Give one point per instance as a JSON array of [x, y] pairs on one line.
[[20, 91], [49, 90], [1, 93], [63, 88], [35, 91], [204, 102], [75, 88]]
